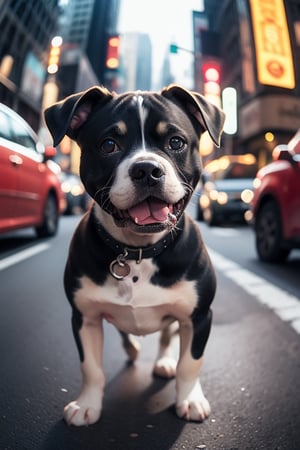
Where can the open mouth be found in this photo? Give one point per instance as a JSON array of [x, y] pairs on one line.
[[151, 213]]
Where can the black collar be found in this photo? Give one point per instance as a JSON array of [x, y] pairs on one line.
[[139, 253]]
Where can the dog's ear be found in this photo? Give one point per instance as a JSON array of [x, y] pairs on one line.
[[68, 115], [210, 117]]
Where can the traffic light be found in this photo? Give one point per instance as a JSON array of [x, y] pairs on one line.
[[211, 73], [211, 76], [112, 55], [173, 48], [54, 55]]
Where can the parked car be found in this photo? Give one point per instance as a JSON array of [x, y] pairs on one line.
[[30, 190], [276, 203], [76, 196], [228, 189]]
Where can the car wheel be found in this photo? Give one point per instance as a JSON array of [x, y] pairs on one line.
[[268, 231], [50, 222]]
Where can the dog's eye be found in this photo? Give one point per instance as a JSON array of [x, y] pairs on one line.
[[109, 146], [176, 143]]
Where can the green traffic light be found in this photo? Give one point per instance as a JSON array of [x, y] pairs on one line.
[[173, 48]]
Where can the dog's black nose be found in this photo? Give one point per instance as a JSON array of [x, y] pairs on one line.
[[147, 172]]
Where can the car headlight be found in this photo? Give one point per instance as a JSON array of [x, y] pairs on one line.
[[247, 195], [222, 198], [213, 195], [53, 166], [66, 187], [204, 201], [76, 190]]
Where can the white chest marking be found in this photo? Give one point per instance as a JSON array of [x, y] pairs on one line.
[[134, 304]]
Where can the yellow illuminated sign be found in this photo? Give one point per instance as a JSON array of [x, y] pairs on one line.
[[272, 43]]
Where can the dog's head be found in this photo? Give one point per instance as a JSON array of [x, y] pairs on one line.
[[139, 150]]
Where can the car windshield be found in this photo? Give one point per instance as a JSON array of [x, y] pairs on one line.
[[237, 170], [232, 167]]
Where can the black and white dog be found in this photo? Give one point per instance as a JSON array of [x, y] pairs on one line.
[[137, 259]]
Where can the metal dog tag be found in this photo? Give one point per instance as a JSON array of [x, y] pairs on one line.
[[119, 267], [119, 271]]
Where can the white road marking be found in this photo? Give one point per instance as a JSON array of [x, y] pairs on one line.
[[226, 232], [24, 254], [284, 305]]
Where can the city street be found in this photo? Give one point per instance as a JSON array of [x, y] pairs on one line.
[[251, 372]]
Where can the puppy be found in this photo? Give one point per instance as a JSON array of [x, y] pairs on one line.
[[137, 260]]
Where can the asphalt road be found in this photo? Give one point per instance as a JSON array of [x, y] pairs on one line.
[[251, 373]]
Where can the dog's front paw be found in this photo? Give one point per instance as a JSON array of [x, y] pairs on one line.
[[194, 407], [165, 367], [78, 414]]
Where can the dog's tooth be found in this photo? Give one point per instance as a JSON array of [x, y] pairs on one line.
[[172, 218], [136, 220]]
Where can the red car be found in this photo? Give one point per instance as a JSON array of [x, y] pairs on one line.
[[30, 190], [276, 203]]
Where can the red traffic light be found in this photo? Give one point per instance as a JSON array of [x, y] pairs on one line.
[[211, 71], [112, 56]]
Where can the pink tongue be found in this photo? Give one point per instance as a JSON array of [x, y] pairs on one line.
[[149, 211]]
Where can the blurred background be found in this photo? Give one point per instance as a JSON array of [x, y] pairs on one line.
[[242, 54]]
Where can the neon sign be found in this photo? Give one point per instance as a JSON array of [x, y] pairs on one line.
[[272, 43]]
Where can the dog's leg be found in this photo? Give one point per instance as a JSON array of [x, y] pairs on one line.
[[131, 346], [165, 364], [191, 403], [89, 337]]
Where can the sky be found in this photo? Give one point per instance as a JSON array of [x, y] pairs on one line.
[[166, 21]]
